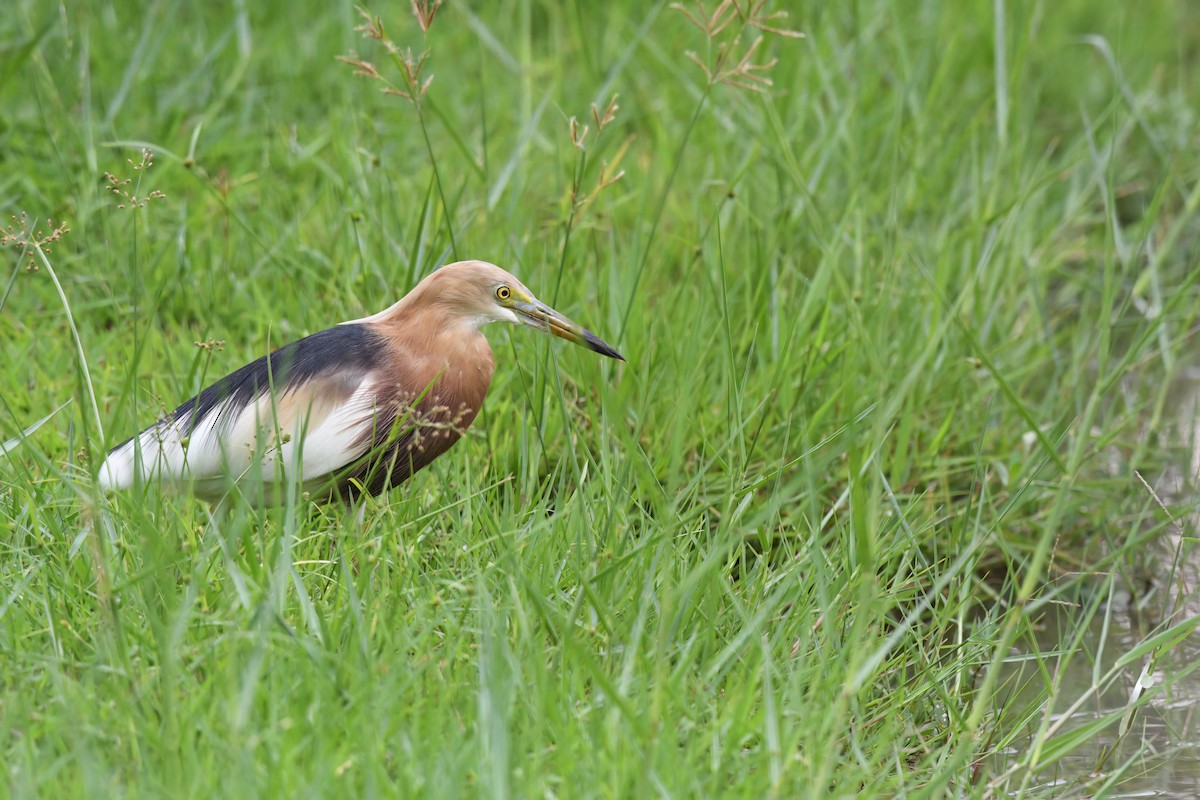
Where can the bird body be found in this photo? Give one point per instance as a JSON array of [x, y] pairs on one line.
[[357, 408]]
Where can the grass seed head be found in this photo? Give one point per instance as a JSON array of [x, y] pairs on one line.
[[25, 234], [729, 63], [603, 118], [410, 64], [578, 134], [425, 11], [121, 186]]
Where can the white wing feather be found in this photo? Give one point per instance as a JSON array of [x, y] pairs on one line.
[[266, 442]]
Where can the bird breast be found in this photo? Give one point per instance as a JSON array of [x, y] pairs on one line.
[[441, 381]]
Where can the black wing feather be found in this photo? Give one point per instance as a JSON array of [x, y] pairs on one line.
[[353, 348]]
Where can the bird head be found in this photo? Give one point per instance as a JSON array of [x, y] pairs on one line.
[[484, 293]]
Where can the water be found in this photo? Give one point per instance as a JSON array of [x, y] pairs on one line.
[[1162, 741]]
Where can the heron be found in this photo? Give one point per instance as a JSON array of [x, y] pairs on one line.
[[354, 409]]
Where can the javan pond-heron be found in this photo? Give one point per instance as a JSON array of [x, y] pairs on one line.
[[356, 408]]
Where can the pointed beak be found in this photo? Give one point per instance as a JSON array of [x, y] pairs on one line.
[[541, 316]]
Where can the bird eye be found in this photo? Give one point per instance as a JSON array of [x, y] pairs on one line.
[[503, 293]]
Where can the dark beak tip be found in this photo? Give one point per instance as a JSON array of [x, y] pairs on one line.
[[602, 347]]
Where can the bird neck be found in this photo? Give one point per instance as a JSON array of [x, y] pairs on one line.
[[440, 350]]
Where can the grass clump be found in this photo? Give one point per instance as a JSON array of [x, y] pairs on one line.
[[907, 304]]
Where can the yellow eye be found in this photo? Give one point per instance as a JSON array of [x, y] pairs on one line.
[[503, 293]]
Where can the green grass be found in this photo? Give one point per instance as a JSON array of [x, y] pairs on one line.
[[899, 333]]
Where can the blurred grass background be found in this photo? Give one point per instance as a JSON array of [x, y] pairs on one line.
[[901, 327]]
